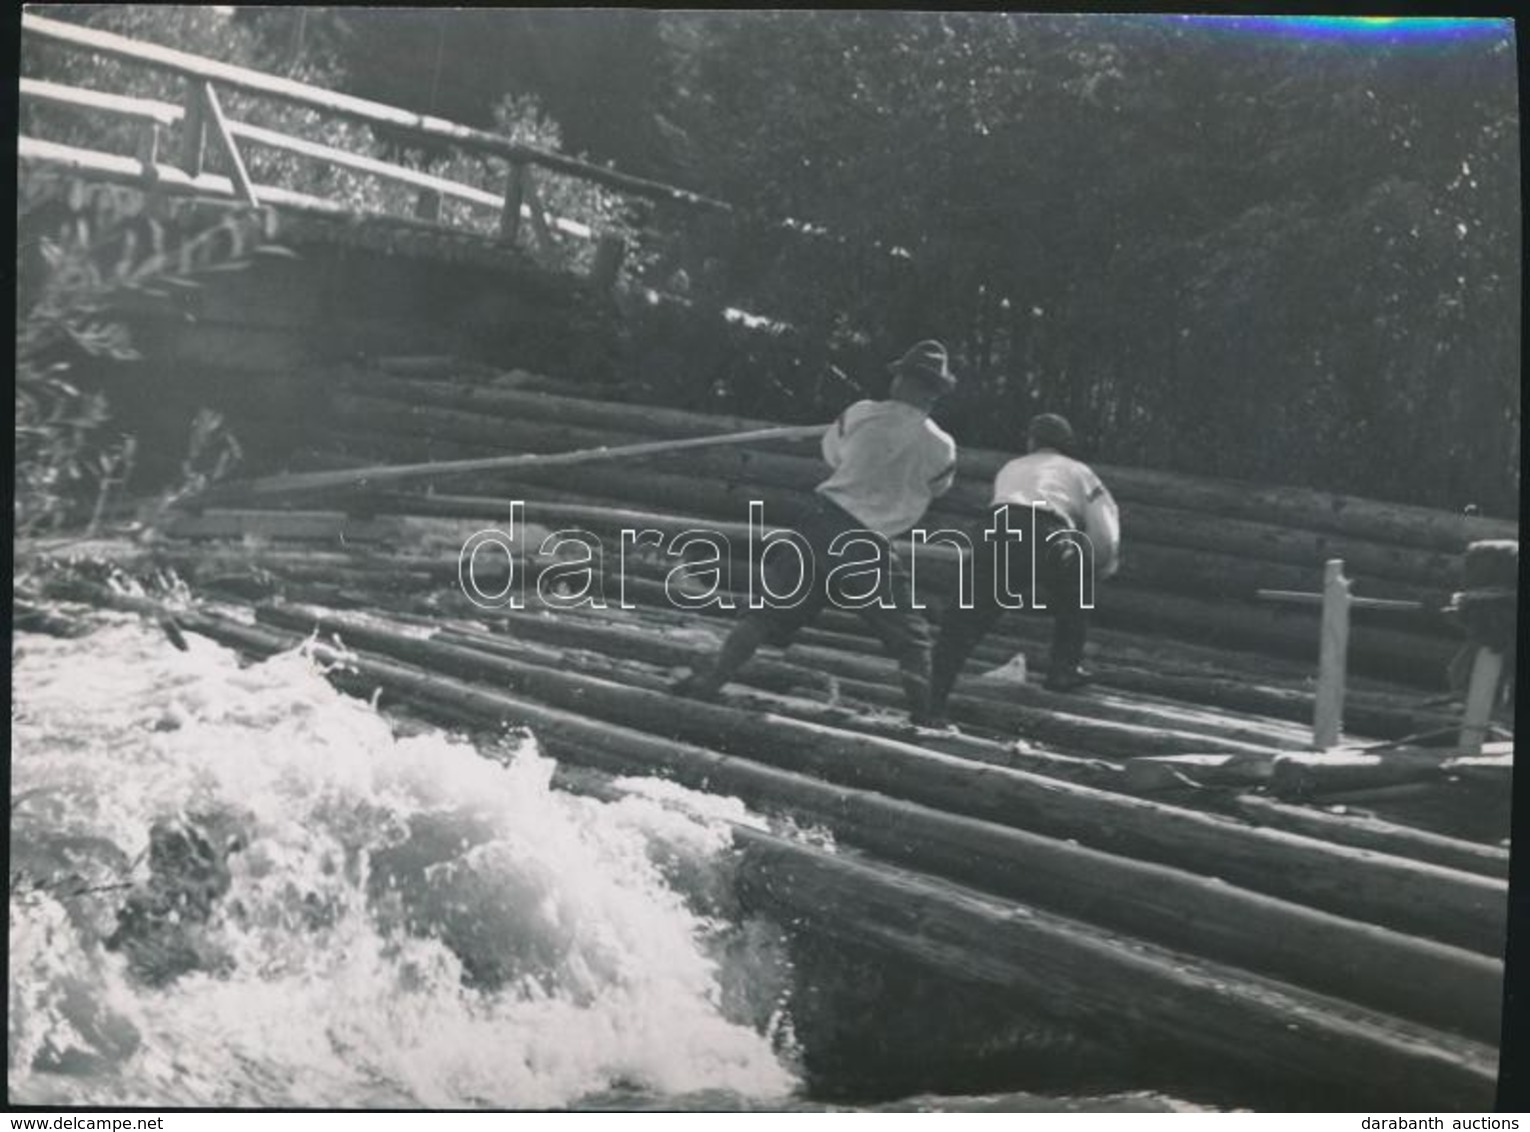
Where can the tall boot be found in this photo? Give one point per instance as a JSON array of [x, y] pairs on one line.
[[916, 693], [742, 642], [1070, 628]]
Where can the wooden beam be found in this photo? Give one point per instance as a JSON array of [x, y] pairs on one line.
[[148, 147], [1445, 986], [219, 126], [1442, 904], [1388, 526], [82, 98], [1109, 728], [512, 203], [610, 251], [1333, 653], [538, 217], [168, 178], [167, 114], [1366, 832], [1292, 597], [399, 174], [1481, 695], [194, 133], [197, 68]]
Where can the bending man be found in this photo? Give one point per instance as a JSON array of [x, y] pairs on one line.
[[888, 461], [1041, 503]]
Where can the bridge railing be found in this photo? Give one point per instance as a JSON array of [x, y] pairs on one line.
[[201, 121]]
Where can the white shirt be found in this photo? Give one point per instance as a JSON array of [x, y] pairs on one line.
[[1068, 487], [890, 460]]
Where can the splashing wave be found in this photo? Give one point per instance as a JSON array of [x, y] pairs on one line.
[[375, 920]]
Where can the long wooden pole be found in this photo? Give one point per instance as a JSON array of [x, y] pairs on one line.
[[393, 473]]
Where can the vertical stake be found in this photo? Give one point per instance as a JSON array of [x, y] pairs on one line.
[[148, 147], [515, 192], [1487, 670], [1328, 712], [427, 206], [609, 253], [194, 132]]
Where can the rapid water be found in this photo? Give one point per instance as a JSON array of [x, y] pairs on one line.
[[234, 886]]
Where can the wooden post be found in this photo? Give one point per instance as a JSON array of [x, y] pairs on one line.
[[427, 206], [1481, 693], [148, 148], [609, 253], [194, 133], [538, 218], [515, 192], [219, 125], [1328, 713]]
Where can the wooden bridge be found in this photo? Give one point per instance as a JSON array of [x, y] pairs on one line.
[[1163, 865]]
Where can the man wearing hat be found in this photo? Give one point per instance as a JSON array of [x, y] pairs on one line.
[[888, 461], [1044, 497]]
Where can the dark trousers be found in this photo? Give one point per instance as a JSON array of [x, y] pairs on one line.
[[891, 615], [1057, 576]]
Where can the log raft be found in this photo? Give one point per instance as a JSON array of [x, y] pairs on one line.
[[1144, 846], [1068, 965]]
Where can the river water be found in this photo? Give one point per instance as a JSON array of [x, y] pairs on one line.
[[233, 886]]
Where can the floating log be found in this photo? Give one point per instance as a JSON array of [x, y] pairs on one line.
[[1403, 656], [1156, 772], [1379, 715], [1368, 560], [1109, 727], [1371, 714], [1443, 904], [1075, 971], [1417, 979], [1141, 999], [1292, 506], [1371, 833], [1387, 570], [233, 523], [1379, 648], [1168, 565], [1184, 551], [1309, 776]]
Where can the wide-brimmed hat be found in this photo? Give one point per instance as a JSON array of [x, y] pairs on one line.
[[1051, 431], [927, 359]]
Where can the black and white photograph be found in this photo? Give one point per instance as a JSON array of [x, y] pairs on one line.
[[640, 560]]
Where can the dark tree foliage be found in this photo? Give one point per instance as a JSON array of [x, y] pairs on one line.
[[599, 73], [1257, 253], [1282, 257]]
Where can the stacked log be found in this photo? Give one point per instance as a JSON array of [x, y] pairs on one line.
[[1301, 508], [1184, 537], [1440, 985], [1454, 907], [582, 644], [1412, 658], [386, 553]]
